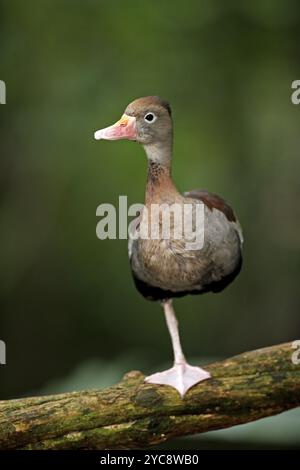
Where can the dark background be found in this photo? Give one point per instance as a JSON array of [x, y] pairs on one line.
[[70, 315]]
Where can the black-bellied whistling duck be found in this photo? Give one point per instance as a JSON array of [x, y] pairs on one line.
[[164, 269]]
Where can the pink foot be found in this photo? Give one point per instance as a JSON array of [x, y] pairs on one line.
[[180, 376]]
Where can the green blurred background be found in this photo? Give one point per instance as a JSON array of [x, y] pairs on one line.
[[70, 315]]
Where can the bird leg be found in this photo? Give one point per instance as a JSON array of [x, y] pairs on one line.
[[181, 376]]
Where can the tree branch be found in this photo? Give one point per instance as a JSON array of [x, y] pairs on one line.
[[133, 414]]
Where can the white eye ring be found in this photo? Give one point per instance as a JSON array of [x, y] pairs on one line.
[[150, 118]]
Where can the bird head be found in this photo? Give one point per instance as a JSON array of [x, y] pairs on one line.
[[146, 120]]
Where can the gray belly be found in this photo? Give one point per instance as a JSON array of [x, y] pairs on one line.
[[169, 265]]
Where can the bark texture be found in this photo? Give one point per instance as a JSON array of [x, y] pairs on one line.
[[133, 414]]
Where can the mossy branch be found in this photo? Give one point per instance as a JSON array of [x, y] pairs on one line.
[[133, 414]]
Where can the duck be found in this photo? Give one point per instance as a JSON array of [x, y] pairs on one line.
[[166, 268]]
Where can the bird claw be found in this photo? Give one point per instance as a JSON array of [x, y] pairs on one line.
[[181, 376]]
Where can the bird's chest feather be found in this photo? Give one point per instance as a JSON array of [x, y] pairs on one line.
[[166, 262], [155, 261], [160, 256]]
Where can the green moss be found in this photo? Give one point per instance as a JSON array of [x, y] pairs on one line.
[[133, 414]]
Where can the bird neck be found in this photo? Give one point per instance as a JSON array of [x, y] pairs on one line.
[[159, 178], [160, 152]]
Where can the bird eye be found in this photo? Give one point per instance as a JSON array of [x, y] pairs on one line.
[[150, 117]]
